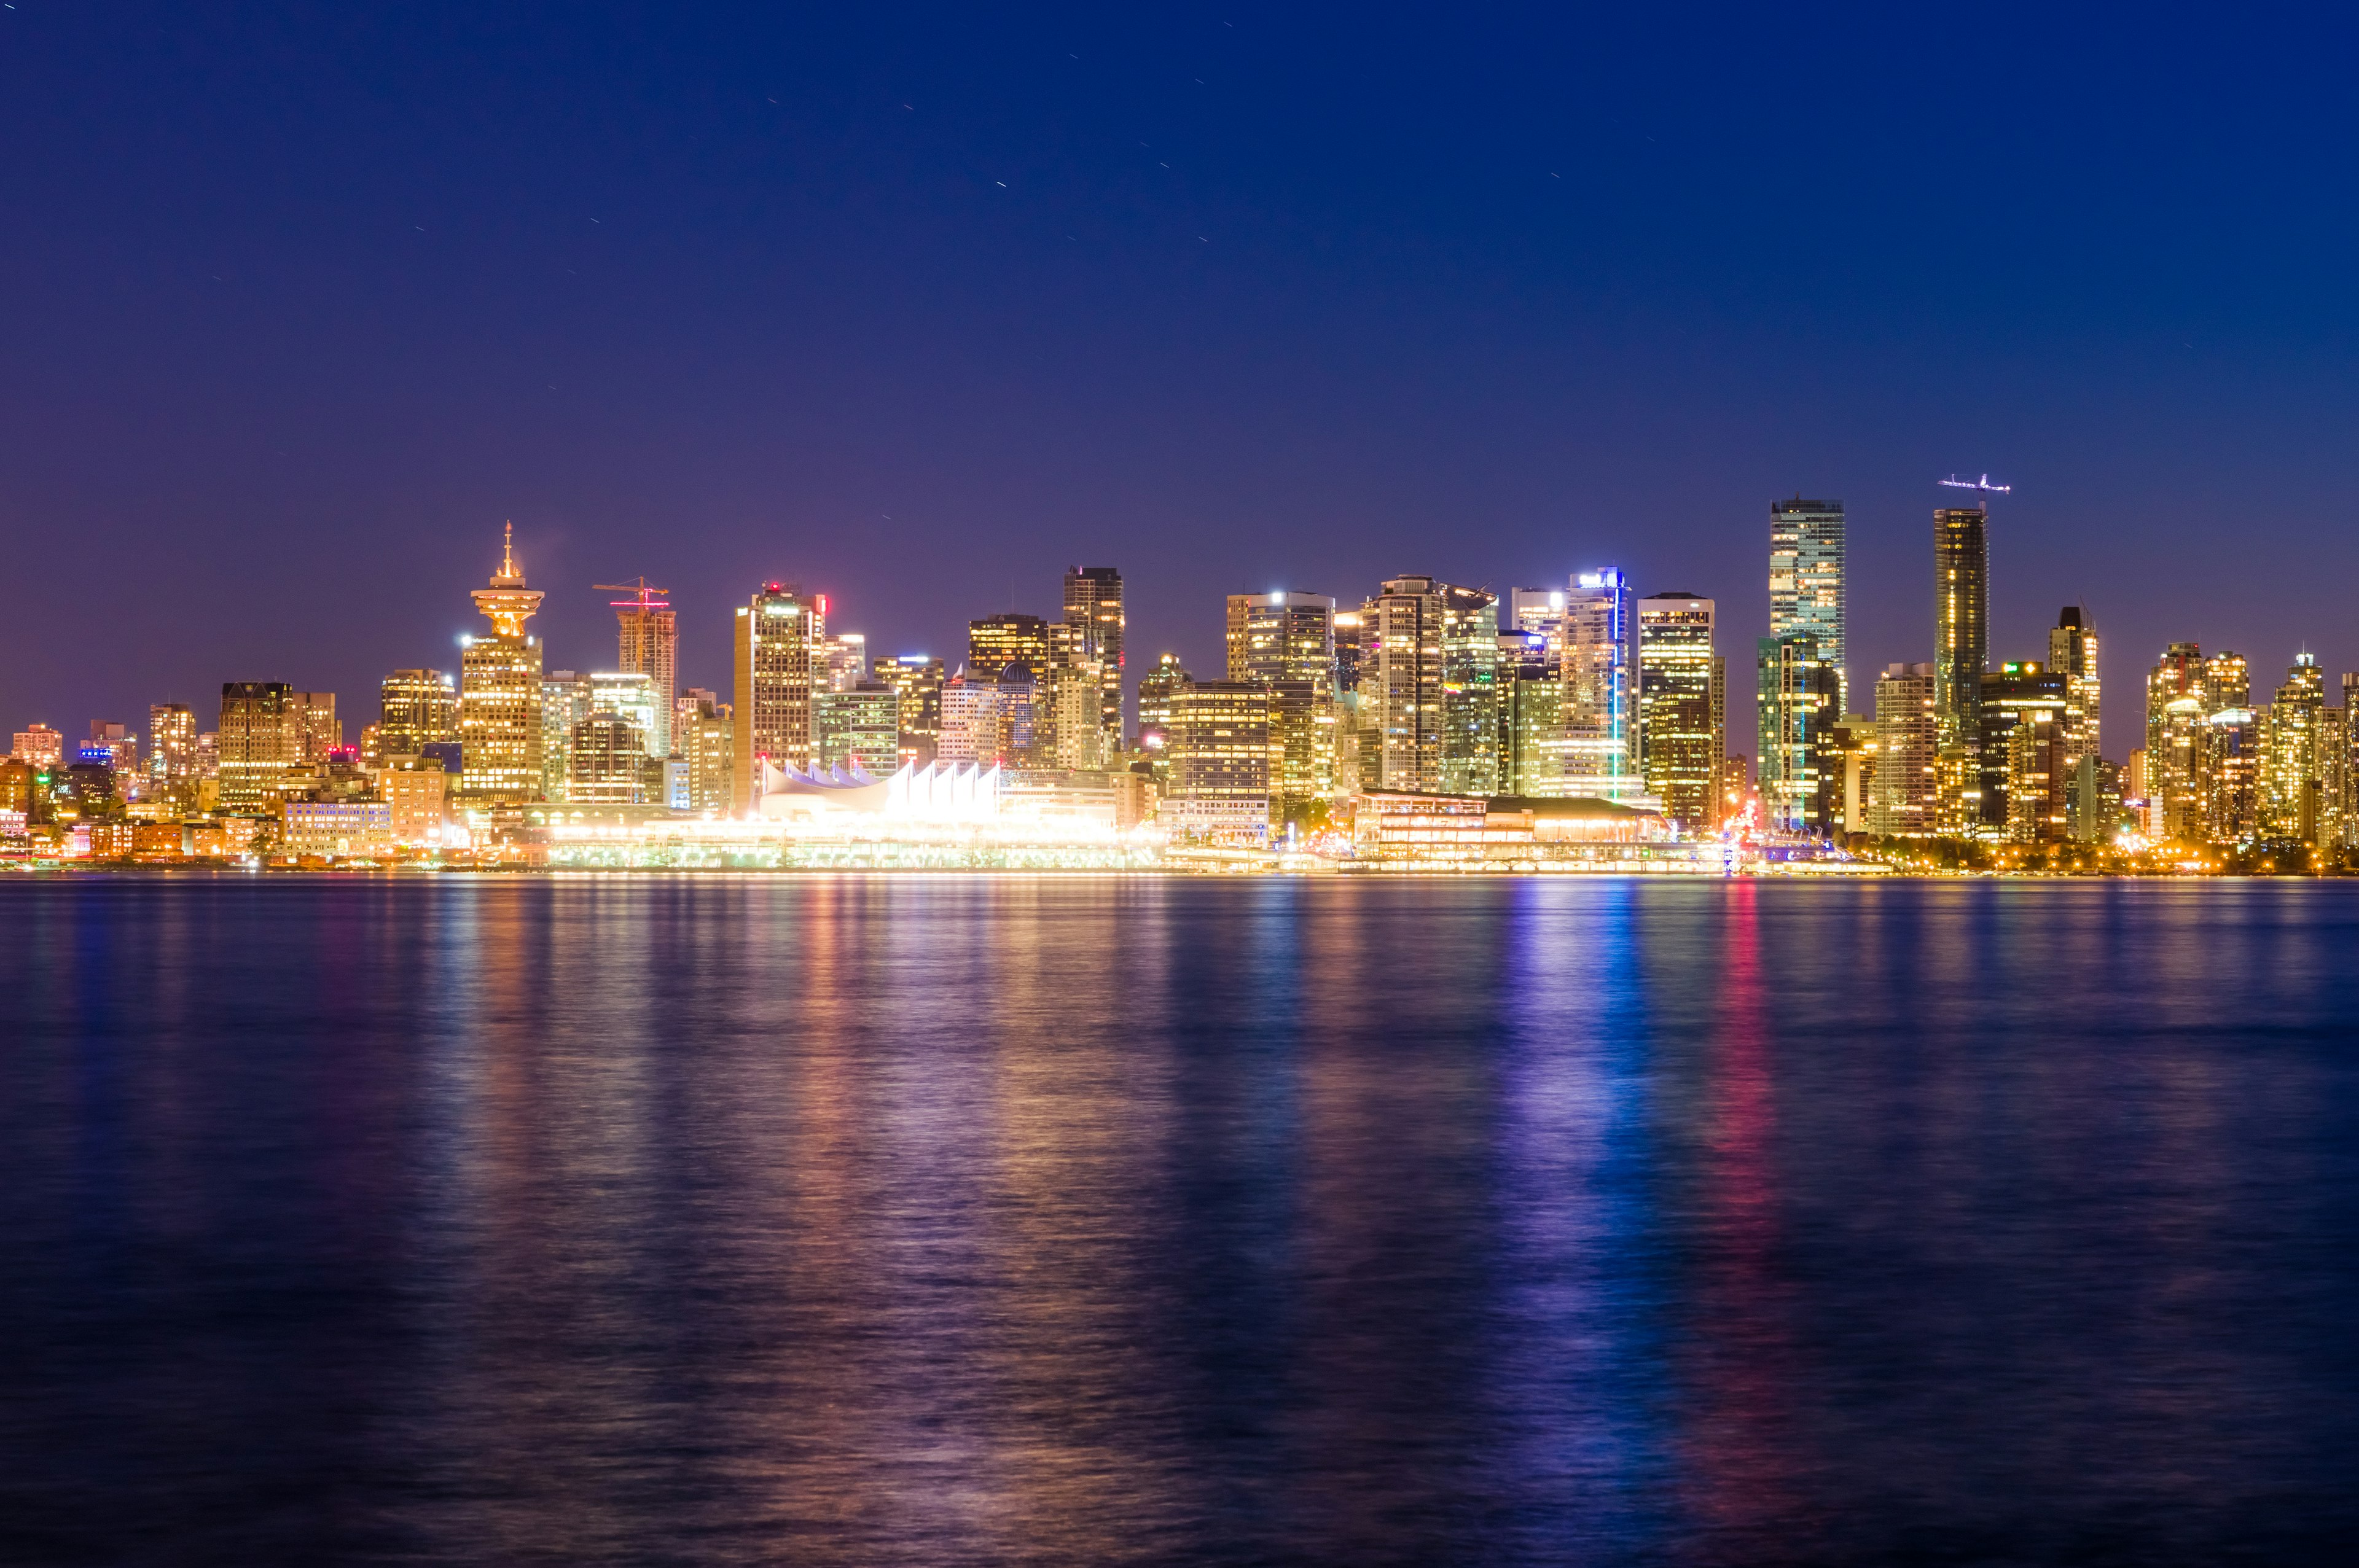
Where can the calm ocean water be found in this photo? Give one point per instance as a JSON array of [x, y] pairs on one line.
[[969, 1220]]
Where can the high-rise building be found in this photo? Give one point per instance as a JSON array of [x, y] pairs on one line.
[[1094, 614], [631, 695], [1287, 640], [2013, 694], [647, 644], [1435, 689], [121, 748], [566, 699], [318, 730], [917, 681], [499, 692], [417, 708], [1223, 755], [39, 746], [1799, 777], [2228, 775], [1682, 694], [2293, 764], [1805, 583], [997, 641], [1598, 635], [172, 754], [2178, 704], [260, 746], [974, 727], [858, 728], [416, 793], [608, 764], [702, 736], [2037, 747], [1533, 744], [778, 661], [1158, 690], [844, 661], [2072, 653], [1907, 746], [1960, 620]]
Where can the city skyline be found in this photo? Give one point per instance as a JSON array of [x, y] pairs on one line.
[[1224, 303]]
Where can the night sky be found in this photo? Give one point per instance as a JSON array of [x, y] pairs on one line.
[[919, 305]]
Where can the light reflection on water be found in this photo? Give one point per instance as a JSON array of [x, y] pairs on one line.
[[910, 1219]]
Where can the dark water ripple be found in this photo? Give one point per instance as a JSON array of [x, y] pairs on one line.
[[943, 1220]]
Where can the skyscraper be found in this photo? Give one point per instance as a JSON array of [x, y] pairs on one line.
[[1431, 678], [702, 737], [2293, 761], [1797, 705], [917, 681], [1598, 632], [1908, 740], [997, 641], [258, 744], [647, 644], [2072, 653], [778, 663], [566, 700], [2015, 694], [1093, 611], [1806, 581], [2178, 703], [1681, 738], [318, 730], [172, 754], [1222, 752], [1961, 619], [1287, 641], [499, 691], [416, 708]]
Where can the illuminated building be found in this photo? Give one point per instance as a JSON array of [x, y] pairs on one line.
[[973, 723], [122, 749], [780, 636], [1855, 747], [647, 644], [1960, 621], [633, 695], [38, 745], [318, 732], [258, 742], [415, 791], [1798, 691], [1094, 616], [1681, 698], [1354, 632], [1156, 690], [1598, 633], [2072, 653], [1072, 704], [1532, 730], [1431, 682], [1223, 758], [2227, 682], [416, 708], [917, 683], [1805, 583], [172, 754], [565, 701], [702, 734], [858, 728], [1734, 795], [607, 763], [499, 692], [2038, 745], [2178, 701], [2293, 755], [334, 829], [2229, 775], [997, 641], [2343, 736], [1907, 745], [2013, 694], [1287, 640], [842, 662]]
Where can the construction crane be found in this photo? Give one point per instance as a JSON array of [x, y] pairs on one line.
[[1954, 483], [644, 597]]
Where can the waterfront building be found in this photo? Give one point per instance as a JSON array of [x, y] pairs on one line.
[[1908, 748], [917, 683], [1225, 759], [566, 699], [2009, 695], [172, 755], [633, 695], [1797, 703], [1096, 622], [2228, 776], [2178, 701], [415, 791], [1287, 640], [1856, 745], [777, 663], [39, 746], [703, 733], [499, 692], [647, 644], [1598, 632], [607, 763], [1681, 705], [416, 708], [2293, 755], [334, 829], [2072, 653], [1960, 620], [258, 744], [2038, 744], [1158, 690], [860, 728], [1435, 688], [1805, 583], [1533, 742]]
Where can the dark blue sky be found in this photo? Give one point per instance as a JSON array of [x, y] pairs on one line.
[[916, 306]]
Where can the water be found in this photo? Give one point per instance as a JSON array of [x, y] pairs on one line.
[[969, 1220]]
